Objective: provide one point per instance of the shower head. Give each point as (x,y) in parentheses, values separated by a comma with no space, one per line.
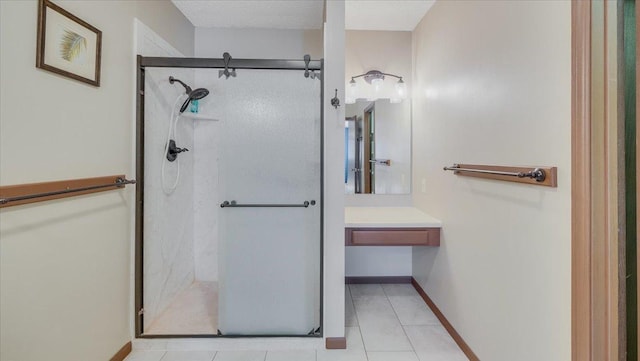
(199,93)
(196,94)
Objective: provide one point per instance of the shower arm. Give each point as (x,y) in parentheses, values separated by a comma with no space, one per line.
(187,88)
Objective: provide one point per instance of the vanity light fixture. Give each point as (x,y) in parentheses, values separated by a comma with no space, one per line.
(376,79)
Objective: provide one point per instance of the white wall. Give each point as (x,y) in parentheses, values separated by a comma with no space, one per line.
(258,43)
(377,261)
(492,86)
(334,249)
(65,264)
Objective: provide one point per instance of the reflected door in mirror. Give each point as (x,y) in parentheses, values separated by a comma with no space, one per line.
(378,145)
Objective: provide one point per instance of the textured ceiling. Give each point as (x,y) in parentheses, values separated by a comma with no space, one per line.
(270,14)
(398,15)
(401,15)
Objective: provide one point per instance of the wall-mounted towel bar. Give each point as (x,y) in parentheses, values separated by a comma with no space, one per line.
(538,174)
(233,204)
(545,176)
(38,192)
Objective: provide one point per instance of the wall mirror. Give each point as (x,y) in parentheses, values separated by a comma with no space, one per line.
(378,147)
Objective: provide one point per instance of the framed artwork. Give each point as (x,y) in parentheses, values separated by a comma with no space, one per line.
(67,45)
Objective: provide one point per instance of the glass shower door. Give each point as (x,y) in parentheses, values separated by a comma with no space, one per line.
(270,226)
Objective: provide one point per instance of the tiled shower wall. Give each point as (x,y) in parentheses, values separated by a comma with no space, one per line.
(168,218)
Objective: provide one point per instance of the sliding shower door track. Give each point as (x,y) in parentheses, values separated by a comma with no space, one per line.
(205,63)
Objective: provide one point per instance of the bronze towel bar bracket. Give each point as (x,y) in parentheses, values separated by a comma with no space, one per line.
(37,192)
(545,176)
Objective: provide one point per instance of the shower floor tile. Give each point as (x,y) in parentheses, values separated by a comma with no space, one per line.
(193,312)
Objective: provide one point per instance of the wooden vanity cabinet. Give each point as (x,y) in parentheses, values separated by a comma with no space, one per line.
(421,236)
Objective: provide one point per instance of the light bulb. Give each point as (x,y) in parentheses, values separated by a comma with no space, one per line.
(377,83)
(351,90)
(401,88)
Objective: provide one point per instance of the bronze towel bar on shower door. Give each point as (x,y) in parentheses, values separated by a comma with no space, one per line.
(38,192)
(545,176)
(233,204)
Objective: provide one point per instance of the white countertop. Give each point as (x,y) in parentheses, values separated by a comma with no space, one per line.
(388,217)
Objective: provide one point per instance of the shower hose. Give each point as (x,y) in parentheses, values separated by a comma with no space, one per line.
(173,121)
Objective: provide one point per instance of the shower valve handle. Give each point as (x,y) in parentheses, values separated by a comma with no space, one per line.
(173,150)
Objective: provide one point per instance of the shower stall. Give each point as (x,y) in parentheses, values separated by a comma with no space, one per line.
(229,202)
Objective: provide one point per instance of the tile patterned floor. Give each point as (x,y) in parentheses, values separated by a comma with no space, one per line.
(383,323)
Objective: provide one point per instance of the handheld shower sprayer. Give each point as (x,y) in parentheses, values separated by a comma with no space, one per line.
(171,150)
(195,94)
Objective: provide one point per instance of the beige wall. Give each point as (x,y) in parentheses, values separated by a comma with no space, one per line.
(492,86)
(65,265)
(168,22)
(258,43)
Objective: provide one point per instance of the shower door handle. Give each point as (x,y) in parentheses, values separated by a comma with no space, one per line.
(233,204)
